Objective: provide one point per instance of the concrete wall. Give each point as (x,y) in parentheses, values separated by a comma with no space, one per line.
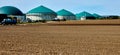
(47,17)
(67,17)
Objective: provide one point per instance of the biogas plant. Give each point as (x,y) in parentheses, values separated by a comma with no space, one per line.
(42,13)
(13,12)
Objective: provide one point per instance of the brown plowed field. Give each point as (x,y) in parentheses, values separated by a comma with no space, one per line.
(89,22)
(43,39)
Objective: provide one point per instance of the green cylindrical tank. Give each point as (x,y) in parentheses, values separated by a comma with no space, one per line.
(41,13)
(64,14)
(11,11)
(84,14)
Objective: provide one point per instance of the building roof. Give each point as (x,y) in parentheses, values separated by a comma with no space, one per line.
(42,9)
(84,13)
(64,12)
(96,15)
(10,10)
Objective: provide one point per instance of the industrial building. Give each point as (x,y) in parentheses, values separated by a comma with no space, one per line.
(12,12)
(40,13)
(97,16)
(64,14)
(84,16)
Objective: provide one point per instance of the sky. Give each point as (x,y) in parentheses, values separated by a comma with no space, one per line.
(102,7)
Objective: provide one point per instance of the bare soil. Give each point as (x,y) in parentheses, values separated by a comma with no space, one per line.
(60,40)
(89,22)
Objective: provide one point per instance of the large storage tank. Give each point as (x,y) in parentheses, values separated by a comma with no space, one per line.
(11,11)
(97,16)
(64,14)
(84,16)
(41,13)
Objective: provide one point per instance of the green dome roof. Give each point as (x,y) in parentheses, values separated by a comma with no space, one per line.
(64,12)
(9,10)
(42,9)
(96,15)
(86,14)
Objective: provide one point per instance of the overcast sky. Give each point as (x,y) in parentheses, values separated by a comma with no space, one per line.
(102,7)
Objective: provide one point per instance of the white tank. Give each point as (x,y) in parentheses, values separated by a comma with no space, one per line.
(83,18)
